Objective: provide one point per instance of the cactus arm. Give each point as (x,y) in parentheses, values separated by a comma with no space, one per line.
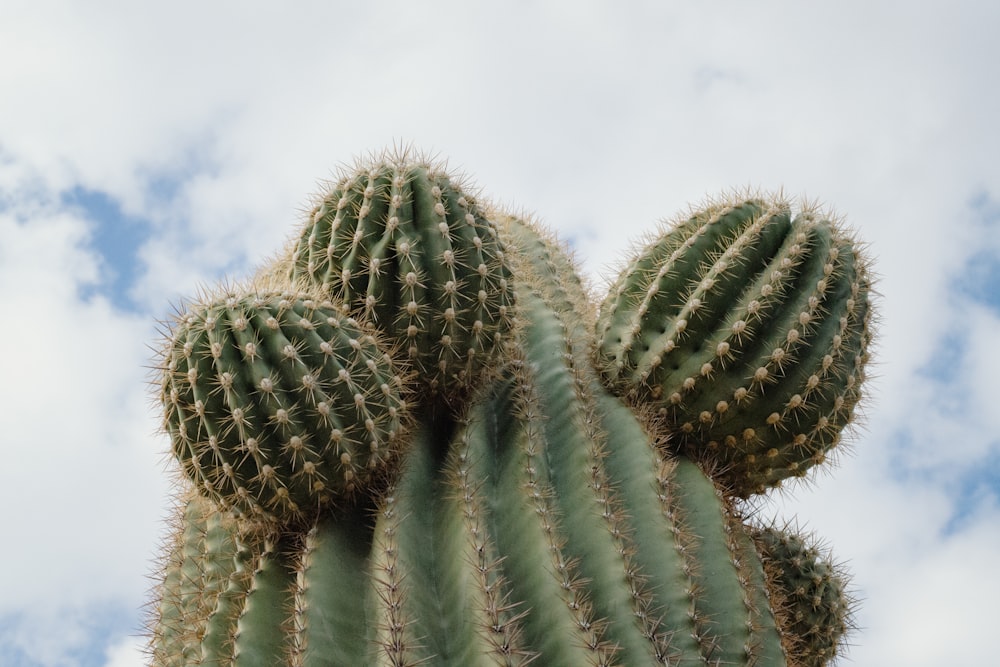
(767,637)
(556,365)
(180,594)
(279,405)
(755,369)
(219,644)
(262,638)
(401,244)
(639,476)
(722,610)
(220,558)
(810,594)
(196,578)
(501,615)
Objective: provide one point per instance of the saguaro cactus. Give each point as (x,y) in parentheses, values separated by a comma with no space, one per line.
(526,491)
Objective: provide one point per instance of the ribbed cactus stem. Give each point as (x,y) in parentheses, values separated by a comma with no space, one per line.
(333,615)
(442,573)
(202,559)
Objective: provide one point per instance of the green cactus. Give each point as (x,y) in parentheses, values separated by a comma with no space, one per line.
(809,592)
(277,404)
(404,244)
(538,518)
(747,331)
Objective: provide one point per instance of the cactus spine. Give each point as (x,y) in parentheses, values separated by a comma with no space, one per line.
(537,517)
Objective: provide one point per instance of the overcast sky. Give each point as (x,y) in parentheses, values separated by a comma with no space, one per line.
(149,148)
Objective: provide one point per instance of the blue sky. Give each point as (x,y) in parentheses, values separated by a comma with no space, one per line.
(149,150)
(116,239)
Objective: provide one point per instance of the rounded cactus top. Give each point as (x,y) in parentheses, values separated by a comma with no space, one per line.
(745,331)
(277,404)
(399,241)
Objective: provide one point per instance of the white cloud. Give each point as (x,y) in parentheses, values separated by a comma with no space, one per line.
(947,588)
(213,124)
(77,426)
(81,471)
(128,653)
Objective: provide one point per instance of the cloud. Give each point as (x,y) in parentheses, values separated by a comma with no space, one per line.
(81,470)
(69,636)
(946,587)
(128,653)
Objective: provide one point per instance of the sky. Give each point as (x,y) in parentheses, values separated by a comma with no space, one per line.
(147,149)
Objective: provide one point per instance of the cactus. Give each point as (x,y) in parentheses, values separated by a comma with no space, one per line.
(748,332)
(404,244)
(809,592)
(277,404)
(533,515)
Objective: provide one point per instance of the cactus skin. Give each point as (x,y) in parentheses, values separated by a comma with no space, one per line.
(403,244)
(812,593)
(540,519)
(199,563)
(747,331)
(277,404)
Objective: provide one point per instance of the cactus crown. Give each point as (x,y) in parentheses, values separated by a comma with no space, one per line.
(277,403)
(405,444)
(407,246)
(747,331)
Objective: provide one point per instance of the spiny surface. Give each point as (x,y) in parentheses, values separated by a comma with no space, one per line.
(402,243)
(747,332)
(277,404)
(811,594)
